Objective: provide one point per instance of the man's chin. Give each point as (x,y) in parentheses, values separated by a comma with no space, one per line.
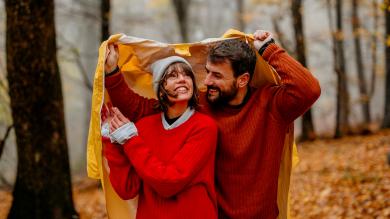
(212,98)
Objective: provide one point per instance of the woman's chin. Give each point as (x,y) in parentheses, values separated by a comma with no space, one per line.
(181,99)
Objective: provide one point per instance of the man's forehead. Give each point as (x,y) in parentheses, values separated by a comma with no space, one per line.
(214,66)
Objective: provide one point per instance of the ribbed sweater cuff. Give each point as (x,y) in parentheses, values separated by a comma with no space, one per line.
(271,48)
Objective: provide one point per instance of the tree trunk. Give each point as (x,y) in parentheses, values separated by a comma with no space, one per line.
(240,15)
(364,98)
(342,106)
(105,13)
(181,9)
(374,43)
(386,120)
(43,184)
(308,132)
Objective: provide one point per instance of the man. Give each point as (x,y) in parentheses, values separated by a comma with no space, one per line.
(252,122)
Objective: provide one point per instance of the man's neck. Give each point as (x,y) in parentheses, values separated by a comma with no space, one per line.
(176,110)
(239,99)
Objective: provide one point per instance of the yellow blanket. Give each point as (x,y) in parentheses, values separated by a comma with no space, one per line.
(135,57)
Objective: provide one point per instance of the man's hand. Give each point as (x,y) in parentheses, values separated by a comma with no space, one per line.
(261,38)
(112,58)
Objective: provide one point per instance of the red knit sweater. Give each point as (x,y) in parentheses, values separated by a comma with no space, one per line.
(250,138)
(171,170)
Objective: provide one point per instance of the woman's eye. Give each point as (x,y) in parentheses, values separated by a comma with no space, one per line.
(172,75)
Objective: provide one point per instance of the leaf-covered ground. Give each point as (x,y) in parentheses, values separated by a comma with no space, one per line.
(346,178)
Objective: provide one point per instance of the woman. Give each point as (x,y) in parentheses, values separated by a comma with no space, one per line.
(168,158)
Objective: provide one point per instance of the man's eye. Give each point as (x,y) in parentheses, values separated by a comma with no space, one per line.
(217,76)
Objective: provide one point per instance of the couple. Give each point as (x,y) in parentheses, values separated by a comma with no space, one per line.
(168,159)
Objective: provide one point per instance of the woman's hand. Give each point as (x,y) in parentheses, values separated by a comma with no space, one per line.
(112,58)
(117,119)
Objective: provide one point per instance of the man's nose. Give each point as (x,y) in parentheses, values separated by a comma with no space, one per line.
(207,81)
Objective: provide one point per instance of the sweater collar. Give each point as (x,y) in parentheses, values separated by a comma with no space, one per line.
(234,108)
(182,119)
(244,101)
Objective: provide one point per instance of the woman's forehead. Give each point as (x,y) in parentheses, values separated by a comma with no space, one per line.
(178,67)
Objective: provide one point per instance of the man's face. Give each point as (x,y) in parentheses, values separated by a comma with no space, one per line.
(221,83)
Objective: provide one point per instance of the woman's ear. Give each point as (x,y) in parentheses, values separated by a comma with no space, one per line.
(243,80)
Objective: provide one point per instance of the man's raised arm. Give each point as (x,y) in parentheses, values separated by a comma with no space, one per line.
(299,89)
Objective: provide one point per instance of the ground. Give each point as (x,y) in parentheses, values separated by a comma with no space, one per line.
(344,178)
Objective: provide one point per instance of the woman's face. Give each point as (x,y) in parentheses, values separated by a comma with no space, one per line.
(178,84)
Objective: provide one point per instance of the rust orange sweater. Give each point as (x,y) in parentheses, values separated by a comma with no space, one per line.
(251,136)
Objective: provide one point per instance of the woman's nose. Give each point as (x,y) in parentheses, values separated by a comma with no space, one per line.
(181,77)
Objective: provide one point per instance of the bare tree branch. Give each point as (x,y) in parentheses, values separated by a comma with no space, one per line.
(71,11)
(77,58)
(83,72)
(280,35)
(2,141)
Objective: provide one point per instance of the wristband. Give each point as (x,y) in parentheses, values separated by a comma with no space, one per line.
(262,49)
(113,72)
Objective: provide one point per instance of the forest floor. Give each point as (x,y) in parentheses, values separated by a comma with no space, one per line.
(344,178)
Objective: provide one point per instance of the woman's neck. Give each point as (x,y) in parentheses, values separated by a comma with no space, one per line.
(176,110)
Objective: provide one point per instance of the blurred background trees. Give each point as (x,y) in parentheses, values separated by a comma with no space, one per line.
(344,43)
(386,7)
(181,9)
(308,132)
(105,18)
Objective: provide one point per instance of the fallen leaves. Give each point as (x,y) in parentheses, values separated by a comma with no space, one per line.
(89,199)
(345,178)
(5,203)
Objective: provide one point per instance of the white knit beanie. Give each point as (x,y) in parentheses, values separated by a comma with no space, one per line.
(158,68)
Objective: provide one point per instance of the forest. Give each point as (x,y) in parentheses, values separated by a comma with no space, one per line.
(48,56)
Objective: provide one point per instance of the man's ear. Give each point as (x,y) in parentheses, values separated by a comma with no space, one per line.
(243,79)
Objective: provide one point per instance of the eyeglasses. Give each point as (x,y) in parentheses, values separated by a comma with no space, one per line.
(175,75)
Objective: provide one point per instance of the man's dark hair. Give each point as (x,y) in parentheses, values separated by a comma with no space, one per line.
(162,94)
(239,53)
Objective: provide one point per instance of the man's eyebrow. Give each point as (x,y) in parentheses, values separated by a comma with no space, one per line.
(214,72)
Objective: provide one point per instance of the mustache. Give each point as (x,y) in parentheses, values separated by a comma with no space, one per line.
(213,87)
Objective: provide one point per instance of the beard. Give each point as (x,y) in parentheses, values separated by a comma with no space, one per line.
(223,97)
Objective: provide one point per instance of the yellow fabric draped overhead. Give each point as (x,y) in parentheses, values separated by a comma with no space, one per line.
(135,57)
